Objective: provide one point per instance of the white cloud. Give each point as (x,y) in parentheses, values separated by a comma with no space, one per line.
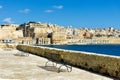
(1,6)
(25,11)
(8,20)
(48,11)
(54,7)
(58,7)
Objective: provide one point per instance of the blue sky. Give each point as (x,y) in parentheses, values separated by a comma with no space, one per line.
(78,13)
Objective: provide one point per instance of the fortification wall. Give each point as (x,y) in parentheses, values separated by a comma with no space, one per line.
(103,64)
(7,45)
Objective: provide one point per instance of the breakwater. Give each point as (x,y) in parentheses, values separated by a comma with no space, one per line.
(103,64)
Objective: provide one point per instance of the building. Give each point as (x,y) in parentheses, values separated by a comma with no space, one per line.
(8,33)
(43,41)
(59,38)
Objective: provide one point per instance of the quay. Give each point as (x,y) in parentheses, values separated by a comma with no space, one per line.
(32,67)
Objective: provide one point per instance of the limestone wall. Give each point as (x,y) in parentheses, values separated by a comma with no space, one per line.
(103,64)
(5,45)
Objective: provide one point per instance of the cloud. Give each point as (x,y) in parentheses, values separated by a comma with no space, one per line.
(48,11)
(25,11)
(8,20)
(58,7)
(54,7)
(1,6)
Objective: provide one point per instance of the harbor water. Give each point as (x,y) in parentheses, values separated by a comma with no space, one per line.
(99,49)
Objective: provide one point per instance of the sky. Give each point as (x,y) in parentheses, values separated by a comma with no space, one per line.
(75,13)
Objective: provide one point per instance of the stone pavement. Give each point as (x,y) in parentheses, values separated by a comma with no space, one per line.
(17,67)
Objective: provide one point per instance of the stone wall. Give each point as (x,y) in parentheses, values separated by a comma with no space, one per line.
(7,45)
(59,38)
(103,64)
(9,31)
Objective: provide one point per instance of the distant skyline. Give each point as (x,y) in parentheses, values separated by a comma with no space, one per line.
(77,13)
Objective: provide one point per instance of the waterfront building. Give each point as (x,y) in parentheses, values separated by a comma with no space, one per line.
(88,35)
(43,41)
(69,31)
(47,33)
(59,38)
(8,33)
(40,30)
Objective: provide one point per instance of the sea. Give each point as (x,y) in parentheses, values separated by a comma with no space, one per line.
(113,50)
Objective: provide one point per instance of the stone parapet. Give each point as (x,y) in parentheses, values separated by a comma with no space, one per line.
(103,64)
(8,45)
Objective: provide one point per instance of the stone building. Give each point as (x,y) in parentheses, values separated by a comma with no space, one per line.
(35,30)
(8,32)
(43,41)
(59,38)
(40,30)
(88,35)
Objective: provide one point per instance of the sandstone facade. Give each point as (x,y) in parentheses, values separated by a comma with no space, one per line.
(8,31)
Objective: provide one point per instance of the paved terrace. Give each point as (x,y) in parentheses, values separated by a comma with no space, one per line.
(16,67)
